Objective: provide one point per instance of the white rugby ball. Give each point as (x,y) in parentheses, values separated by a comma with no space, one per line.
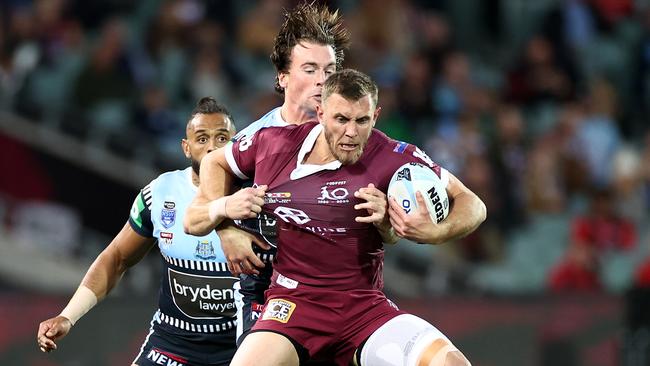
(413,177)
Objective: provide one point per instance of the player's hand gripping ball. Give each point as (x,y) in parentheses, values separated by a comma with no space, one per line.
(413,177)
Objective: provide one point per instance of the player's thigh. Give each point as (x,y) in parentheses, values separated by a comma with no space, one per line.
(265,348)
(388,345)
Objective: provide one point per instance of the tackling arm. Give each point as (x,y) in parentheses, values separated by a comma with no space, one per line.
(215,182)
(210,206)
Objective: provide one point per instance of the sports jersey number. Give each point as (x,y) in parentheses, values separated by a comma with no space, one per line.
(245,143)
(422,155)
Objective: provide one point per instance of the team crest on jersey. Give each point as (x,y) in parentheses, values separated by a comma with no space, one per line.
(279,310)
(166,239)
(168,214)
(332,192)
(205,250)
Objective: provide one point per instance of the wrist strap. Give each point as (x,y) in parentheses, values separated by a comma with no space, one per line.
(83,300)
(217,209)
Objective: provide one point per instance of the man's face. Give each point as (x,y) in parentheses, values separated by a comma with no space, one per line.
(206,132)
(310,65)
(347,125)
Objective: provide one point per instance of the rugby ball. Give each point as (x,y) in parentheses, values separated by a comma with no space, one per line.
(413,177)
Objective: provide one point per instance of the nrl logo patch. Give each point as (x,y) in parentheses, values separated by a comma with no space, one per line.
(279,310)
(168,216)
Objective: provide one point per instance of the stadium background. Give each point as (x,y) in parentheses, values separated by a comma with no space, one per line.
(541,107)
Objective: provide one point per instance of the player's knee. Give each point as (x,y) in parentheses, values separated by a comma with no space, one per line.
(442,353)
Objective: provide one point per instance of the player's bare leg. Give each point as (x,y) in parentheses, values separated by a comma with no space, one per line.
(265,348)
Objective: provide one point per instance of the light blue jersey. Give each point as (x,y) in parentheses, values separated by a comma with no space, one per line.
(196,295)
(272,119)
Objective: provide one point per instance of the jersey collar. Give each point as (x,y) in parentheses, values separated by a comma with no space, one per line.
(303,170)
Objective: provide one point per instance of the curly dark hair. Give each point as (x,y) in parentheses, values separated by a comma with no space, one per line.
(209,105)
(312,23)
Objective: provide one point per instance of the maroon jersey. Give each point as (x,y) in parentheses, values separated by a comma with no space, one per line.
(320,243)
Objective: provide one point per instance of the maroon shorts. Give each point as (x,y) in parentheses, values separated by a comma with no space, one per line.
(330,325)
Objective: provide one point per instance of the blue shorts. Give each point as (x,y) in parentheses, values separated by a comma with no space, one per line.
(252,291)
(163,347)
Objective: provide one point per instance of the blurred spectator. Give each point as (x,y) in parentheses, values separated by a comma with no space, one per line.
(602,228)
(484,244)
(627,185)
(381,35)
(413,91)
(107,76)
(33,182)
(158,121)
(598,134)
(391,121)
(259,25)
(508,155)
(539,75)
(578,271)
(642,274)
(544,180)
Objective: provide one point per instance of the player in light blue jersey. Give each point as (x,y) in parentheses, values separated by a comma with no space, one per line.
(195,322)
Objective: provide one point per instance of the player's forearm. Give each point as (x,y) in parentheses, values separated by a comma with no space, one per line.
(207,210)
(100,278)
(467,213)
(203,217)
(387,233)
(105,272)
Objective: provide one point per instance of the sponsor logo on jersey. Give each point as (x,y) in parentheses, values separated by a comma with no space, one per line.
(400,147)
(166,239)
(297,216)
(160,357)
(202,297)
(326,230)
(167,217)
(205,250)
(256,310)
(279,310)
(169,205)
(277,197)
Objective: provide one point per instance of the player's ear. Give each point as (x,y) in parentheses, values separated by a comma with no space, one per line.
(283,79)
(375,116)
(186,148)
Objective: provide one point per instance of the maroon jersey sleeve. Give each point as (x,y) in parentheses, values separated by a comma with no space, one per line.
(242,154)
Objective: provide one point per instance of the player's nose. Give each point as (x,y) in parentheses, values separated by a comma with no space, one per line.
(320,77)
(213,145)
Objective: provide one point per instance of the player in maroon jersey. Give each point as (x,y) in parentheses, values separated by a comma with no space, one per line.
(325,300)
